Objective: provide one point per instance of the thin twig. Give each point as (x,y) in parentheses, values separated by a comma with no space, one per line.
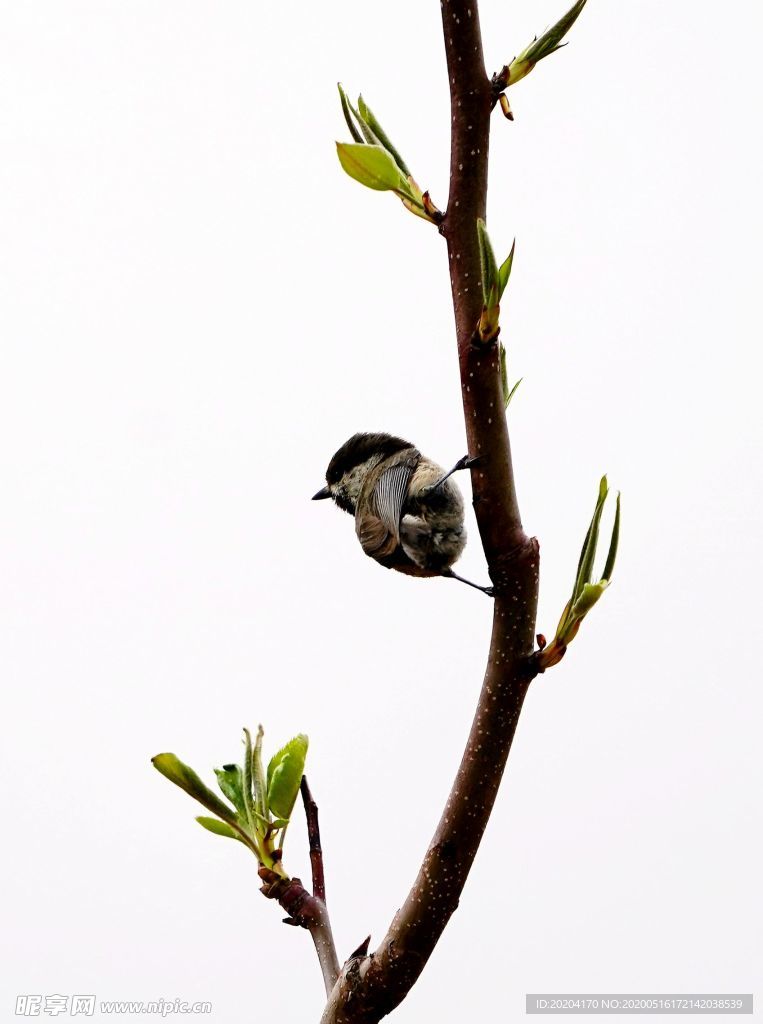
(323,940)
(305,911)
(314,839)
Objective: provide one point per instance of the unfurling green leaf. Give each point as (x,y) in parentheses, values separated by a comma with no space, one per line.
(258,778)
(488,265)
(219,828)
(588,552)
(587,598)
(367,115)
(285,775)
(248,785)
(346,108)
(373,160)
(172,768)
(508,392)
(230,781)
(504,374)
(512,392)
(252,823)
(552,37)
(504,271)
(541,47)
(488,325)
(585,592)
(372,166)
(609,567)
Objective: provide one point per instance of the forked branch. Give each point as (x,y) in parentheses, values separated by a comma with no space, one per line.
(259,803)
(308,910)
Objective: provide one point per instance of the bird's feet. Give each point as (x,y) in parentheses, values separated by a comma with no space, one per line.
(450,575)
(463,463)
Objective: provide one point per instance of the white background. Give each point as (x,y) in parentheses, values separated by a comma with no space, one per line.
(198,307)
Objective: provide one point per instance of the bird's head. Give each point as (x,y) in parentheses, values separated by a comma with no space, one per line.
(350,465)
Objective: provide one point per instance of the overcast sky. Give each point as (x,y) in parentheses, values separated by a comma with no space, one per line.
(198,307)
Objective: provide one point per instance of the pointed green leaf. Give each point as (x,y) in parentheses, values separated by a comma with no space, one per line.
(372,166)
(218,827)
(552,37)
(585,593)
(612,554)
(172,768)
(285,773)
(511,393)
(258,777)
(299,742)
(544,46)
(368,116)
(369,136)
(508,393)
(504,271)
(248,785)
(488,265)
(230,780)
(347,115)
(588,553)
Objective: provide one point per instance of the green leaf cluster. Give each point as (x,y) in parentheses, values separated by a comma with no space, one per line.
(585,592)
(541,47)
(259,803)
(373,160)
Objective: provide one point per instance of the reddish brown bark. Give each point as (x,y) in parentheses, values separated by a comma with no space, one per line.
(370,986)
(305,909)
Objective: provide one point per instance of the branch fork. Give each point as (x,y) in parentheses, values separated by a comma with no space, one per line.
(305,909)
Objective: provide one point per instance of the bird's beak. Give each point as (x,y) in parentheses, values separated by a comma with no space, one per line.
(324,492)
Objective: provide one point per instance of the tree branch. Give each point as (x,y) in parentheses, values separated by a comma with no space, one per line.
(370,987)
(306,910)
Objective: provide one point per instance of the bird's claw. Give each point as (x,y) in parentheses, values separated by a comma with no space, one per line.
(463,463)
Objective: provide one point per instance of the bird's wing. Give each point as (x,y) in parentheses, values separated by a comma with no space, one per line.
(378,526)
(389,496)
(374,537)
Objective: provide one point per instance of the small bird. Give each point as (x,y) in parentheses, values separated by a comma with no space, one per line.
(409,513)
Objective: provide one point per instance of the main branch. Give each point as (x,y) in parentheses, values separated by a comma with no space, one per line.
(369,987)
